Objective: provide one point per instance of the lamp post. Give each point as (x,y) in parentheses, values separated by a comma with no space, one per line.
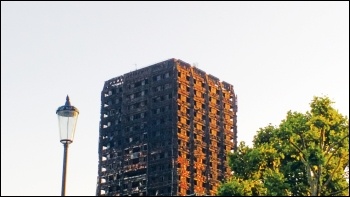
(67,121)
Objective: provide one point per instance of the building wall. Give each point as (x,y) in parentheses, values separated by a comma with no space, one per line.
(165,130)
(206,130)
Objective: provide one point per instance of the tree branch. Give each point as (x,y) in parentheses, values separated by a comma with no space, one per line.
(308,170)
(335,149)
(330,177)
(302,139)
(322,144)
(338,191)
(302,156)
(337,143)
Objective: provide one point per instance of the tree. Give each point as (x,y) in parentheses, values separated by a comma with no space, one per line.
(307,154)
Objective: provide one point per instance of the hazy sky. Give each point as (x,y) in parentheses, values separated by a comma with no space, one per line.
(278,55)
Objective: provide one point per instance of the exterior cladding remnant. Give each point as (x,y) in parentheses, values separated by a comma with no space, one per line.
(165,129)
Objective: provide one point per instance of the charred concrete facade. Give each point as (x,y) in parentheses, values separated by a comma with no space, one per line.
(165,129)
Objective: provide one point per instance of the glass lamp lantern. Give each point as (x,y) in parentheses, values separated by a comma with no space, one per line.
(67,121)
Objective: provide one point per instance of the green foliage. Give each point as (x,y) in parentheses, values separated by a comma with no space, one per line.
(305,155)
(240,187)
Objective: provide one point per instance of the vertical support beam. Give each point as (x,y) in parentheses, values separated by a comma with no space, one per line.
(191,127)
(207,134)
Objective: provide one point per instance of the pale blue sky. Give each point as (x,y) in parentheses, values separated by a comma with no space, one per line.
(278,55)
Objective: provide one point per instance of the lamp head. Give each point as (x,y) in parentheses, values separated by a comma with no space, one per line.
(67,120)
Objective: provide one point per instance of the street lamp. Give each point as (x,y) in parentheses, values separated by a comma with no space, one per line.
(67,121)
